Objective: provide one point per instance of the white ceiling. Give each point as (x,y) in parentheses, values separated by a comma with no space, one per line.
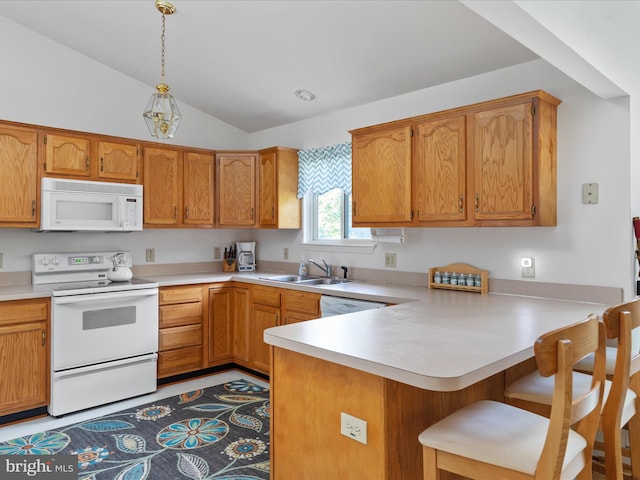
(242,60)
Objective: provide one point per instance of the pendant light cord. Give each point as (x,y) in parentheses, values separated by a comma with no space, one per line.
(162,41)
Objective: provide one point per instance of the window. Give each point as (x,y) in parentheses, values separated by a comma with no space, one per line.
(324,181)
(332,218)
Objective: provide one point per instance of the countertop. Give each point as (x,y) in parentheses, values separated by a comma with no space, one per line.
(446,341)
(432,339)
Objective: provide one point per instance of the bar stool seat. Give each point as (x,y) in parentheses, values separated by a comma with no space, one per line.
(501,435)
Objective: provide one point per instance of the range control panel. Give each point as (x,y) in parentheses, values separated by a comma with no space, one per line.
(75,262)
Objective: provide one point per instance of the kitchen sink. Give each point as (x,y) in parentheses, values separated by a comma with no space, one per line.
(307,280)
(291,278)
(324,281)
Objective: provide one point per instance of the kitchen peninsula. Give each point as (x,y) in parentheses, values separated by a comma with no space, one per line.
(400,369)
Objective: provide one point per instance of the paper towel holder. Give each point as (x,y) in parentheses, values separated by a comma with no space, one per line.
(388,235)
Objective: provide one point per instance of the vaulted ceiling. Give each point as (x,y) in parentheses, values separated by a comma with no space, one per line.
(242,60)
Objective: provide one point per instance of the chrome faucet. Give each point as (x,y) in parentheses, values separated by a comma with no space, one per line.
(326,269)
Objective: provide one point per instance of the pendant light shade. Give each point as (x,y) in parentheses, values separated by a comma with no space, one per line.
(162,114)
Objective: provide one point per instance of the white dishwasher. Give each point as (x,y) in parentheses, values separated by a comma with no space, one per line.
(330,306)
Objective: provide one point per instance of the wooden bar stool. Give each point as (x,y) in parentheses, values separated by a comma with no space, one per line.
(621,394)
(492,440)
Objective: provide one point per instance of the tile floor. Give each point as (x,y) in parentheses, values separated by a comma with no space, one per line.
(48,423)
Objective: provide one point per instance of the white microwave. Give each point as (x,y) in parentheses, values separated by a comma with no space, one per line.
(79,205)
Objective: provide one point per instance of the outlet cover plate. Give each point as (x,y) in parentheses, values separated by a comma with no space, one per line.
(150,255)
(391,260)
(353,427)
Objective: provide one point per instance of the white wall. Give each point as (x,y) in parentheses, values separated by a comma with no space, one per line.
(47,84)
(589,246)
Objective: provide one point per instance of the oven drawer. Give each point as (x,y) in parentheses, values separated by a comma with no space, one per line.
(86,387)
(181,360)
(177,337)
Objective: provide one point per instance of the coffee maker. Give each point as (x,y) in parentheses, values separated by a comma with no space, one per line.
(246,256)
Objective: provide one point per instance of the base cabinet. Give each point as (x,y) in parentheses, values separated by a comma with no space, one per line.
(181,326)
(24,355)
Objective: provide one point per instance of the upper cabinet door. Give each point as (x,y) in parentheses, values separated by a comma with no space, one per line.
(502,146)
(161,177)
(18,177)
(118,161)
(382,176)
(237,189)
(267,184)
(66,155)
(440,170)
(198,188)
(278,203)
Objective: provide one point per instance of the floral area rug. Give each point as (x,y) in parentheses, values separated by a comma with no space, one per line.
(220,433)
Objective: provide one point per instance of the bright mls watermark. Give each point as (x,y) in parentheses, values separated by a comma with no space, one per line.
(39,467)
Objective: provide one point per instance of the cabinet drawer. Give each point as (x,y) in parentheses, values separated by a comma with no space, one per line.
(177,337)
(180,360)
(180,314)
(180,295)
(18,311)
(266,296)
(302,302)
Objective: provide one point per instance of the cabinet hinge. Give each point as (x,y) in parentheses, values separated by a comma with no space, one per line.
(533,210)
(45,139)
(411,134)
(411,214)
(533,110)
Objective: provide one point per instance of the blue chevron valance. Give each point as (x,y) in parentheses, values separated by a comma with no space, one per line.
(323,169)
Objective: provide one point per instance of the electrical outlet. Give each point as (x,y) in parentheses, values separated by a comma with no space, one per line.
(216,253)
(528,267)
(150,255)
(285,253)
(391,260)
(353,427)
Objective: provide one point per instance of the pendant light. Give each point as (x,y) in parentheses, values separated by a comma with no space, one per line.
(162,114)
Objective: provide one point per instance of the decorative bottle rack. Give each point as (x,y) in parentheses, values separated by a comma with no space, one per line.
(461,268)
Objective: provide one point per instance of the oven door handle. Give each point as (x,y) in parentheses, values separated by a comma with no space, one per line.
(97,297)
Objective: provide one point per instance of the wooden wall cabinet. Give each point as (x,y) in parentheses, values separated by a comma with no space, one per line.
(90,158)
(382,176)
(237,189)
(118,161)
(198,189)
(180,341)
(24,355)
(488,164)
(161,180)
(20,192)
(278,203)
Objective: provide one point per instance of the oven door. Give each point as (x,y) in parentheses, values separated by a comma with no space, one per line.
(95,328)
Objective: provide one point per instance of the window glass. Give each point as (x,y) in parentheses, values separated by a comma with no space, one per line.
(332,215)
